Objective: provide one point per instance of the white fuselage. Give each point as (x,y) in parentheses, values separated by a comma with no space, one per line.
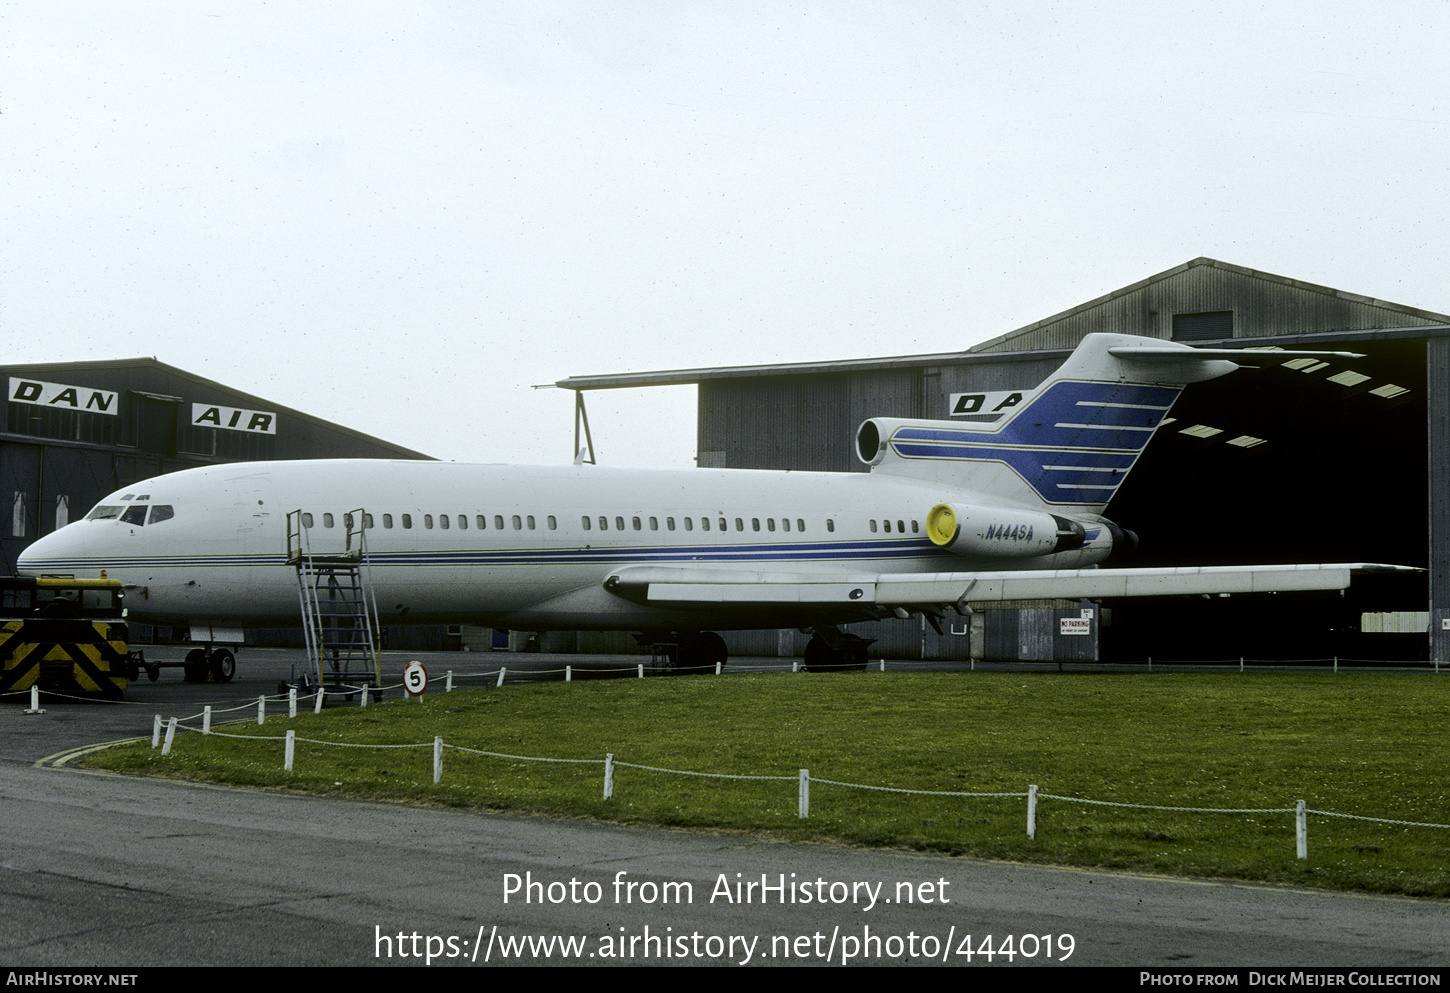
(522,547)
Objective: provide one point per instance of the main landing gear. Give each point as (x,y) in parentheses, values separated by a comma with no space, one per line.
(694,651)
(833,650)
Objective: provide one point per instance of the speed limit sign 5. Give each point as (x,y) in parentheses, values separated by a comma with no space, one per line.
(415,678)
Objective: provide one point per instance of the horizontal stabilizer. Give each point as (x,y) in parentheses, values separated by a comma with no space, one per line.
(1177,353)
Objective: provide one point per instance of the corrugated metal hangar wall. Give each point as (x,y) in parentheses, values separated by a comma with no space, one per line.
(75,432)
(1297,462)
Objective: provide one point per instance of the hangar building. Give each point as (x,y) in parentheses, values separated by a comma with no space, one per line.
(75,432)
(1298,461)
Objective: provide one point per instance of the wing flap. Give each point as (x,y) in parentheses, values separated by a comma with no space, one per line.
(960,588)
(661,585)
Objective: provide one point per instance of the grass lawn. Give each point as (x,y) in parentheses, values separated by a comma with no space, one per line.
(1369,744)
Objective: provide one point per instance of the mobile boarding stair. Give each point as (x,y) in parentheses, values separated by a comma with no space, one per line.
(339,612)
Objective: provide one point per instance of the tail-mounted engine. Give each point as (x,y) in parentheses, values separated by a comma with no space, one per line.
(996,532)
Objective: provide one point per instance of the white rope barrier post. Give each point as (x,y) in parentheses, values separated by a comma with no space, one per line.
(1032,812)
(437,761)
(719,667)
(317,705)
(170,736)
(640,667)
(156,731)
(292,701)
(1301,830)
(206,719)
(608,775)
(568,673)
(35,699)
(290,750)
(261,708)
(448,681)
(367,692)
(501,671)
(805,791)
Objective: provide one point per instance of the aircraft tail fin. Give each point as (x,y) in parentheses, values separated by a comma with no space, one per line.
(1068,444)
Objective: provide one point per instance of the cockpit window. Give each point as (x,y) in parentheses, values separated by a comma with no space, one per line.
(161,512)
(105,513)
(134,515)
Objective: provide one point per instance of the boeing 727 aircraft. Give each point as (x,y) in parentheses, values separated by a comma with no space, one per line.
(951,513)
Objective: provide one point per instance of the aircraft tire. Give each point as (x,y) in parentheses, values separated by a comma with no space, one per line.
(821,657)
(194,669)
(700,651)
(223,666)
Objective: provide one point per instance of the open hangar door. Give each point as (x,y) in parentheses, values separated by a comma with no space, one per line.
(1297,461)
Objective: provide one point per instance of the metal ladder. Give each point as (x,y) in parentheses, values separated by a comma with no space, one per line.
(339,612)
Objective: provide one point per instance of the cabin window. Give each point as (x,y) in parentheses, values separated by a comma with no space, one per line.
(428,521)
(407,520)
(347,520)
(901,527)
(161,512)
(327,520)
(886,525)
(637,524)
(518,523)
(553,524)
(619,524)
(531,522)
(654,523)
(463,522)
(603,523)
(800,525)
(135,515)
(481,522)
(669,523)
(770,524)
(830,525)
(724,524)
(443,521)
(785,523)
(873,527)
(367,520)
(704,524)
(689,524)
(387,520)
(498,522)
(585,519)
(914,528)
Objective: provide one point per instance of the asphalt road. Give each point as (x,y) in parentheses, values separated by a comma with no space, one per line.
(109,871)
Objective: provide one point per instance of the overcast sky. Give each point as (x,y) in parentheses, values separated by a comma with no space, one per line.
(401,216)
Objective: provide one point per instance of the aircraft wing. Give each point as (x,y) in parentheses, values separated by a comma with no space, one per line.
(667,586)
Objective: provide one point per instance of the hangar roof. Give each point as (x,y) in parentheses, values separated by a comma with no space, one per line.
(1277,310)
(162,371)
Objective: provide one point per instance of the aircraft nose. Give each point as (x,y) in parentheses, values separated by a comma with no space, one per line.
(62,552)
